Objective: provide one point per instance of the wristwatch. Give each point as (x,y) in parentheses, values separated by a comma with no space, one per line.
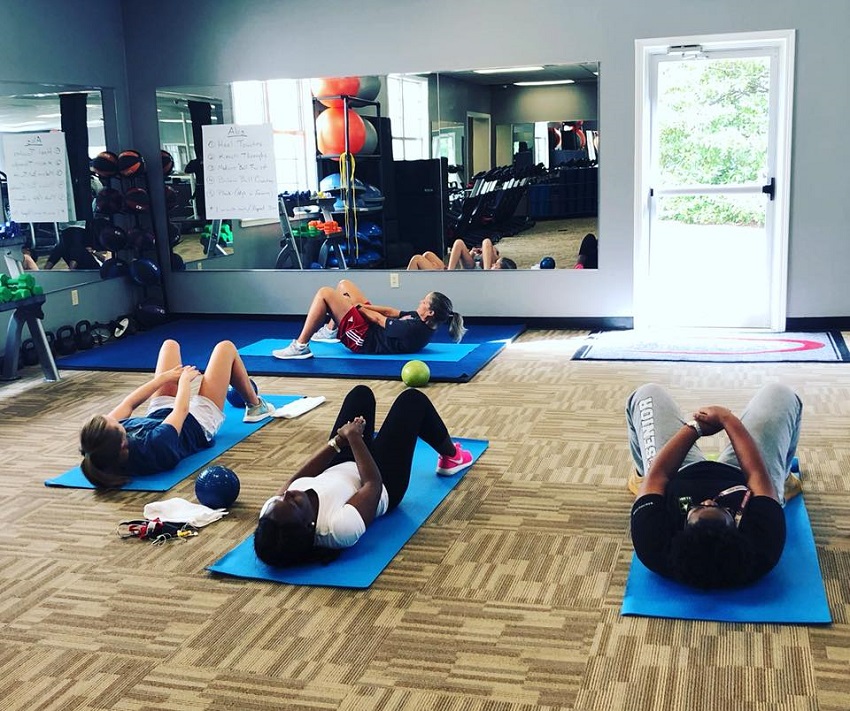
(333,444)
(696,427)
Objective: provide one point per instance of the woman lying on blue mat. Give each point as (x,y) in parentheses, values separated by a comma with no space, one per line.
(116,446)
(712,524)
(366,328)
(354,478)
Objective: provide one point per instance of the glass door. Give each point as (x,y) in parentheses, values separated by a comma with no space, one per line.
(712,243)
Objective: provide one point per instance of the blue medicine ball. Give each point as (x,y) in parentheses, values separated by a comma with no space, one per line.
(547,263)
(217,487)
(235,399)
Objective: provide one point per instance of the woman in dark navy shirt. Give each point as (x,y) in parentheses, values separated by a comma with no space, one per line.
(118,446)
(363,327)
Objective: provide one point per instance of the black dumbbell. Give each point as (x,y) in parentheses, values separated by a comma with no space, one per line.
(83,335)
(66,343)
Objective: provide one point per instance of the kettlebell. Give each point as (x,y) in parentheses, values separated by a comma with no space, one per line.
(66,344)
(83,335)
(29,355)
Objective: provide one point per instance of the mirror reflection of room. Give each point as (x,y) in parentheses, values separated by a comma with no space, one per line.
(428,160)
(29,110)
(535,205)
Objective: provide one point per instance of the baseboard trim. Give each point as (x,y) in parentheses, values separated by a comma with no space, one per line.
(818,323)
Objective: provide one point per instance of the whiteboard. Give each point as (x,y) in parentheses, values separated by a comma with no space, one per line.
(239,172)
(39,177)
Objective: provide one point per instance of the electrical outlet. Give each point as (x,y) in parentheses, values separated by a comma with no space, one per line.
(200,266)
(75,297)
(394,280)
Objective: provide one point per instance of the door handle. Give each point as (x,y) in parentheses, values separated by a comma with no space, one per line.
(770,189)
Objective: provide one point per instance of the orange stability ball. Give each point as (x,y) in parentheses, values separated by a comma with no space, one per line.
(330,132)
(334,86)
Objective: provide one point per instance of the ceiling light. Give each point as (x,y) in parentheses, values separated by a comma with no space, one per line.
(505,70)
(49,115)
(549,82)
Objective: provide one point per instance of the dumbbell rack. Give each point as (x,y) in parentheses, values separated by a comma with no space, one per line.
(26,311)
(129,218)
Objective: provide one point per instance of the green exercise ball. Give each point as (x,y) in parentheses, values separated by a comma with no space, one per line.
(415,373)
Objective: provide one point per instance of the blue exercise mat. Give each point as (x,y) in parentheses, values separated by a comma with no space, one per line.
(197,338)
(232,432)
(792,593)
(360,565)
(433,352)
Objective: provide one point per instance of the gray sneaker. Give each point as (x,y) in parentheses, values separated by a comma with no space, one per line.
(325,334)
(260,411)
(293,350)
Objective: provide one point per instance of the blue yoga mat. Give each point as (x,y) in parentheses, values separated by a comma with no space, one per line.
(198,336)
(792,593)
(360,565)
(433,352)
(232,431)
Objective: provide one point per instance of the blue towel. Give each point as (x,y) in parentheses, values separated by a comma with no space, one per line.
(232,431)
(360,565)
(793,592)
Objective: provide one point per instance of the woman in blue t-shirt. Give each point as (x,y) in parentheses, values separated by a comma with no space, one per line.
(363,327)
(117,446)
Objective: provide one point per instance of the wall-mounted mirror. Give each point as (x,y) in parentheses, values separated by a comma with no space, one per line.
(455,155)
(78,112)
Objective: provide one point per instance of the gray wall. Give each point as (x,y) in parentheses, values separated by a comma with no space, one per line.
(79,42)
(192,42)
(220,42)
(454,98)
(545,103)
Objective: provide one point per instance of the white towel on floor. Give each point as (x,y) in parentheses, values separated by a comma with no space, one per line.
(298,407)
(182,511)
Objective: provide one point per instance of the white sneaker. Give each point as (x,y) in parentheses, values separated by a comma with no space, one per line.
(294,350)
(325,335)
(258,412)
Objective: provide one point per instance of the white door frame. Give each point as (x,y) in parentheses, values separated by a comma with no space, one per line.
(784,42)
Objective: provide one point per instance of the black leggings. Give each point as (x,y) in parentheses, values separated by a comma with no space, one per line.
(412,415)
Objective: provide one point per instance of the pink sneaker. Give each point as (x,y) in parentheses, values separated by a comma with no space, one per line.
(449,466)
